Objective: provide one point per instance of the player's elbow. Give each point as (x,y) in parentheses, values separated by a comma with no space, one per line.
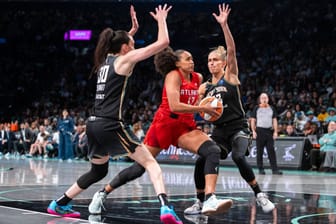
(164,43)
(174,108)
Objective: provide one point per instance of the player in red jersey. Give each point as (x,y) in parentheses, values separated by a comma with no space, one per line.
(174,124)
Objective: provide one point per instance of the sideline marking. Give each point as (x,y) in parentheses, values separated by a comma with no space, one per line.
(295,220)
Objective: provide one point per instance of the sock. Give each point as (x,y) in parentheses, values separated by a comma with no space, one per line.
(256,189)
(163,199)
(63,200)
(207,196)
(200,196)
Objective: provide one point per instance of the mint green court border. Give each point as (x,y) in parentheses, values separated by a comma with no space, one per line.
(233,168)
(297,219)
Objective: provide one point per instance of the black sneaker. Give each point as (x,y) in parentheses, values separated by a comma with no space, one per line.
(262,172)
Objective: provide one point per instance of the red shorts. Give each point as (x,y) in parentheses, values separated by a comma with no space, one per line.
(165,130)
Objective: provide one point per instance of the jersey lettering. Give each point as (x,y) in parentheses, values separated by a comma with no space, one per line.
(102,76)
(191,100)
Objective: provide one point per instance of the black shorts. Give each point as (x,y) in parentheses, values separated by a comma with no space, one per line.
(223,134)
(109,137)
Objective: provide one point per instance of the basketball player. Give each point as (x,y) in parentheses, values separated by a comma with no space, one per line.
(115,58)
(174,124)
(231,131)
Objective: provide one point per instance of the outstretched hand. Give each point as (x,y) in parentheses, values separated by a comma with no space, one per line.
(224,12)
(161,12)
(135,24)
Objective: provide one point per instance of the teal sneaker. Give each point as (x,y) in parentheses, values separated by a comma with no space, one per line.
(64,211)
(168,216)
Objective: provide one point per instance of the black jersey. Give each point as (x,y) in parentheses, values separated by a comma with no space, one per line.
(110,91)
(230,96)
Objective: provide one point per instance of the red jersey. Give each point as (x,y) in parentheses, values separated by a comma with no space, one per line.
(168,126)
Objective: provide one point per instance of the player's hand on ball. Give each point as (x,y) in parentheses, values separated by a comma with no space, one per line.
(212,108)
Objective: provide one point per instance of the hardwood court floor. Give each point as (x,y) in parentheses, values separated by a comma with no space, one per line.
(28,185)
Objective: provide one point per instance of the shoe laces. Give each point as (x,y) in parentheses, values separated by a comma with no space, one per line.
(102,197)
(66,207)
(196,205)
(262,199)
(212,200)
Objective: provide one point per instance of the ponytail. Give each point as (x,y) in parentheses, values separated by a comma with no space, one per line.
(220,50)
(109,41)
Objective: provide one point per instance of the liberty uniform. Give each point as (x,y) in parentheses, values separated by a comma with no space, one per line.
(231,131)
(106,132)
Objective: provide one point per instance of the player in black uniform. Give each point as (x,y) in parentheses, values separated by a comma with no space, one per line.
(231,131)
(115,58)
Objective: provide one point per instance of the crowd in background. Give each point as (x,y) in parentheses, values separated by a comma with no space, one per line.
(284,48)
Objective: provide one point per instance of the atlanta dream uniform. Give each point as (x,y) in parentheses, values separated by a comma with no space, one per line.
(167,126)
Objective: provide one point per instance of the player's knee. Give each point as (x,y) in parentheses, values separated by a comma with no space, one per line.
(209,148)
(240,145)
(211,152)
(96,173)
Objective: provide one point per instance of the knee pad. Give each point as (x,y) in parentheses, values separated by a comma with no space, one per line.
(126,175)
(243,141)
(199,173)
(96,173)
(211,152)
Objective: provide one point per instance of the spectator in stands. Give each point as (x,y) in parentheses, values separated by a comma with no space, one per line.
(298,110)
(138,131)
(39,145)
(281,129)
(321,117)
(34,127)
(287,118)
(14,126)
(7,137)
(20,142)
(309,128)
(299,122)
(290,131)
(81,146)
(311,117)
(3,139)
(328,146)
(53,143)
(66,127)
(331,114)
(47,125)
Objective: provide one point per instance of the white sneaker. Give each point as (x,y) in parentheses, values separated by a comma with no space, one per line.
(214,206)
(93,219)
(262,200)
(195,209)
(97,202)
(197,219)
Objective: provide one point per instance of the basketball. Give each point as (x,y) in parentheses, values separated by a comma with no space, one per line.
(213,102)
